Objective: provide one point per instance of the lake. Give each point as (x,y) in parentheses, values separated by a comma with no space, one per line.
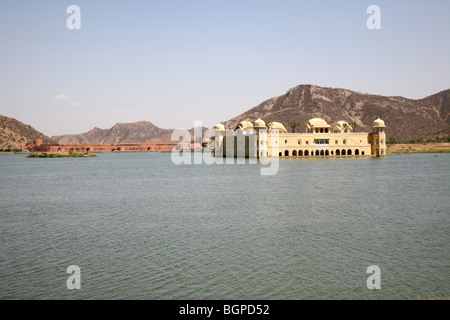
(140,227)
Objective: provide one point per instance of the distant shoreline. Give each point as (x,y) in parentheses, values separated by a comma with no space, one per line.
(443,147)
(397,148)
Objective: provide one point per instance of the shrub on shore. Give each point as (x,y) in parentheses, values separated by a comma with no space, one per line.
(60,155)
(10,150)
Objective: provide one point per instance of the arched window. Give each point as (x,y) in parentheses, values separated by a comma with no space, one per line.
(286,153)
(357,152)
(349,152)
(300,153)
(362,153)
(294,153)
(343,152)
(338,152)
(247,147)
(306,153)
(280,154)
(332,152)
(322,152)
(327,153)
(317,152)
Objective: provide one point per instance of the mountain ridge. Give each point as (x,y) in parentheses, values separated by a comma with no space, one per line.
(121,132)
(134,132)
(13,132)
(405,118)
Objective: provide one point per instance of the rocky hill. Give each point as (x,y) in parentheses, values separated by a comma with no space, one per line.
(14,132)
(406,119)
(136,132)
(167,138)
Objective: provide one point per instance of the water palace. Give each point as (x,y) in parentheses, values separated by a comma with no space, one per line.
(319,140)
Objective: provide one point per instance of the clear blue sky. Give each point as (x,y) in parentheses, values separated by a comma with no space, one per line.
(173,62)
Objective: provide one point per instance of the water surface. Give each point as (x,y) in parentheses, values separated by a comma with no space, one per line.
(140,227)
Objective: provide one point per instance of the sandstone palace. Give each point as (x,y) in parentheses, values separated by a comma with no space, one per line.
(320,139)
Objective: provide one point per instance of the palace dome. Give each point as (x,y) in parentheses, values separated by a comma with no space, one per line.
(260,123)
(379,123)
(244,125)
(342,125)
(318,123)
(277,126)
(219,127)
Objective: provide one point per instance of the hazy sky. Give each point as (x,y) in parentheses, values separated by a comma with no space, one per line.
(174,62)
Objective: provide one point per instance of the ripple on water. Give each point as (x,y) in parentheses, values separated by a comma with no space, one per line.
(140,227)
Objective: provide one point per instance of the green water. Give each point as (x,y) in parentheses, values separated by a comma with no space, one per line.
(141,227)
